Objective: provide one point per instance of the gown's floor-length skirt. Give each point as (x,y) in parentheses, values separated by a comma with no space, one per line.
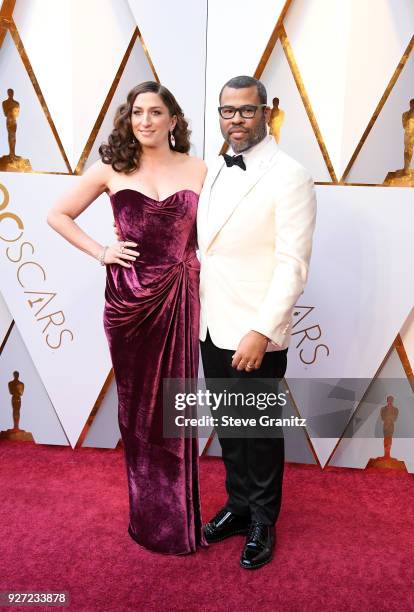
(151,320)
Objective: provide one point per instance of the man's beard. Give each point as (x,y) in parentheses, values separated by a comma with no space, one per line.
(255,136)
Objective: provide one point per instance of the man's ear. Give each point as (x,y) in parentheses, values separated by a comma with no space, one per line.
(267,113)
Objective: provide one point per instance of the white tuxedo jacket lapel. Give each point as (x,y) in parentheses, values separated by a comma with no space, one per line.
(210,228)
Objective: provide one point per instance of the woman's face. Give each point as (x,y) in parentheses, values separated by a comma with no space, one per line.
(151,120)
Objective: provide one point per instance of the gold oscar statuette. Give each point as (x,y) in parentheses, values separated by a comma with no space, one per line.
(16,390)
(389,414)
(405,176)
(277,116)
(12,162)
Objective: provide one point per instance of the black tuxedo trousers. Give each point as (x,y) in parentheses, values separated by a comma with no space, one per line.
(254,465)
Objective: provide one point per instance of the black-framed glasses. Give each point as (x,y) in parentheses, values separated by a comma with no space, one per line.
(247,111)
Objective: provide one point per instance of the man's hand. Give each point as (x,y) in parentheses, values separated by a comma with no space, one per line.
(249,354)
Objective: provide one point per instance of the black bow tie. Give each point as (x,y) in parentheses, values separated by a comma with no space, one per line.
(234,160)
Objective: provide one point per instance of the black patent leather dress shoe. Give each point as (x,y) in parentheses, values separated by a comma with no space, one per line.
(258,549)
(224,525)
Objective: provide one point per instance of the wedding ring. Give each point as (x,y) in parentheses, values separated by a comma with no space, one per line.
(249,367)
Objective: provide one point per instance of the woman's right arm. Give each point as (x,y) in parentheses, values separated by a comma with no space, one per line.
(69,206)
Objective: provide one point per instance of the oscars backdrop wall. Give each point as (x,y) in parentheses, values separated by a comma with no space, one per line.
(339,79)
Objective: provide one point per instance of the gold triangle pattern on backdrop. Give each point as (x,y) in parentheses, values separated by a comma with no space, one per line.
(380,106)
(88,146)
(6,337)
(280,33)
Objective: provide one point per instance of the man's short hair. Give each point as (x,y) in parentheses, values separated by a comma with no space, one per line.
(240,82)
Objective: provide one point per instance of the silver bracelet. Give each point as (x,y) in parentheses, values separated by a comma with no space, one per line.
(102,256)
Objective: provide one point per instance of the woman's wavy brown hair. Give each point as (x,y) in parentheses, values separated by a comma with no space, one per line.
(123,151)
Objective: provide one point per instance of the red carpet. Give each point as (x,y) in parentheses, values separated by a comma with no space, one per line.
(345,540)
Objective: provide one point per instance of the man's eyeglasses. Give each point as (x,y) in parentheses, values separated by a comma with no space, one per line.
(247,112)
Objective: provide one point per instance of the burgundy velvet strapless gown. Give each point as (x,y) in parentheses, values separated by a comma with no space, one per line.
(151,320)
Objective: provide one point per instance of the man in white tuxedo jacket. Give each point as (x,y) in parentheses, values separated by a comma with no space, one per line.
(255,223)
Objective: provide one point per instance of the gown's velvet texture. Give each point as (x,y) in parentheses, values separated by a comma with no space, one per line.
(151,321)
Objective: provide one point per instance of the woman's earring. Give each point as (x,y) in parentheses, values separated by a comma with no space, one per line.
(172,140)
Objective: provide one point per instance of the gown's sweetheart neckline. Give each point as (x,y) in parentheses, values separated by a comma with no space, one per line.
(149,197)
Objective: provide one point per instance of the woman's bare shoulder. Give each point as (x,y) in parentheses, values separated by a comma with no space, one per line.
(99,169)
(100,173)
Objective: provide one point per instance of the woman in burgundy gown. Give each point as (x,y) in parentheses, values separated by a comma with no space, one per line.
(151,314)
